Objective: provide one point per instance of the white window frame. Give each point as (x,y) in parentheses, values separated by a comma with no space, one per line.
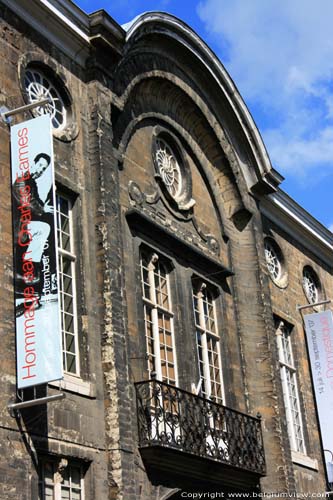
(273,260)
(69,256)
(169,168)
(39,86)
(288,373)
(310,285)
(200,293)
(56,484)
(152,304)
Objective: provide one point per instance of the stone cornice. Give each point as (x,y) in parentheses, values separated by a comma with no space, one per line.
(294,220)
(69,28)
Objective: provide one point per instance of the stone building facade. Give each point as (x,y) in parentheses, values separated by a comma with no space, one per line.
(185,264)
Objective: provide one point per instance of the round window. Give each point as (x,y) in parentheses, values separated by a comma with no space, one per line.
(39,86)
(172,171)
(168,168)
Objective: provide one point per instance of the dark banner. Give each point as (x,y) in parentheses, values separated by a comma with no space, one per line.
(37,310)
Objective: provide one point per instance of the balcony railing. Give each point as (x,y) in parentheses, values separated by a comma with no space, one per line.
(171,418)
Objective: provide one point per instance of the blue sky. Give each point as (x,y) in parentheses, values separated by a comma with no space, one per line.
(279,53)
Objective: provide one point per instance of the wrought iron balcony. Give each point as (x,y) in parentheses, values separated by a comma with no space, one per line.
(189,427)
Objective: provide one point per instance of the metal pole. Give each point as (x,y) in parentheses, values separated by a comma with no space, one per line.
(299,308)
(26,107)
(35,402)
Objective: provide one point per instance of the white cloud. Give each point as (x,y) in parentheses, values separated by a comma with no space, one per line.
(302,156)
(280,55)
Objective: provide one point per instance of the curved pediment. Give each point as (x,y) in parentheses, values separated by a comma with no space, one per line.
(170,37)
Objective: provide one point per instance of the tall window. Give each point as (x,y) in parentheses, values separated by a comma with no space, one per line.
(311,285)
(61,481)
(158,316)
(208,343)
(67,260)
(289,386)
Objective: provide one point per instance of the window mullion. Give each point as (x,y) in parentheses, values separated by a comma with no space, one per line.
(218,349)
(152,305)
(57,488)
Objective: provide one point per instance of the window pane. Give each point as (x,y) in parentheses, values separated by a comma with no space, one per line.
(65,493)
(48,473)
(65,476)
(76,476)
(70,343)
(76,495)
(68,303)
(70,363)
(69,323)
(67,267)
(48,491)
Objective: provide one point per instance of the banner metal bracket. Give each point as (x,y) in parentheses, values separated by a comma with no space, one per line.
(5,114)
(34,402)
(315,304)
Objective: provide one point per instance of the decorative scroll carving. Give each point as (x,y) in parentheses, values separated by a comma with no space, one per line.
(145,202)
(135,193)
(211,241)
(138,197)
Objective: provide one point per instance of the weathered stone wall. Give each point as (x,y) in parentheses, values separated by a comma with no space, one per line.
(106,165)
(246,320)
(284,302)
(67,428)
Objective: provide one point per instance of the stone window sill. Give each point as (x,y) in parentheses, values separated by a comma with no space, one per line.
(76,385)
(304,460)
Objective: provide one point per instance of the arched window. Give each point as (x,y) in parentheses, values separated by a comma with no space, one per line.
(311,285)
(275,263)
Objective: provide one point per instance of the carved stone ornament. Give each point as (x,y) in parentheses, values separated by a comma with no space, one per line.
(138,197)
(144,202)
(209,239)
(172,172)
(135,193)
(213,244)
